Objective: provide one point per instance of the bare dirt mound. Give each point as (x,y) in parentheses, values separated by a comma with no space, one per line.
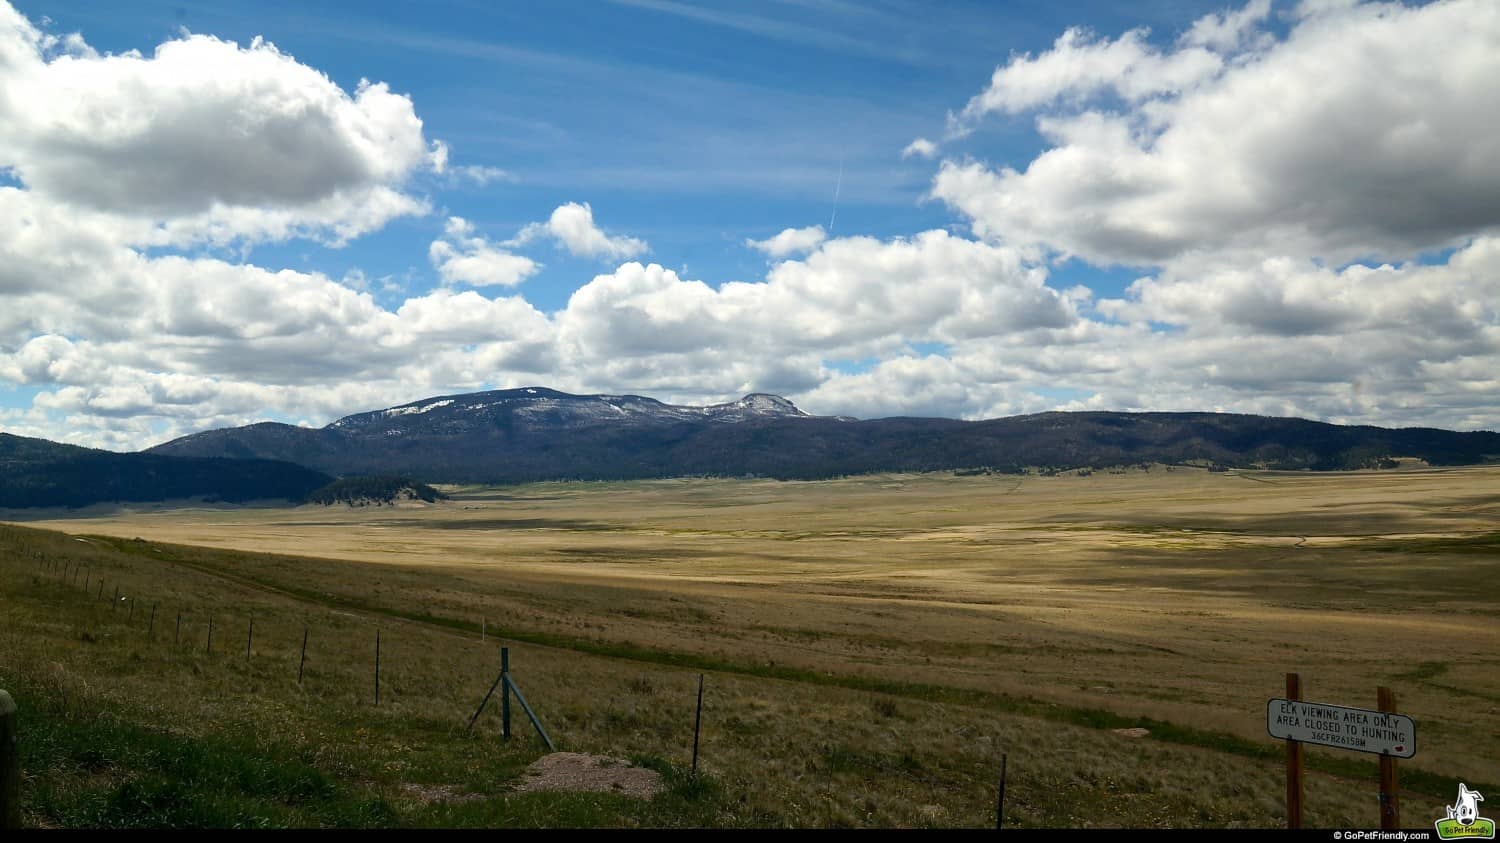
(576,771)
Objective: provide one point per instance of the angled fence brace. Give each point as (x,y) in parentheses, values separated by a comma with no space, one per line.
(485,701)
(510,683)
(507,686)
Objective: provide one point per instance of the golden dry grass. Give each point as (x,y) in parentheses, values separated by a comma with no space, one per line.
(1179,595)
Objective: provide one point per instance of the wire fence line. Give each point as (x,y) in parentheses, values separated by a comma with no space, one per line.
(219,631)
(208,624)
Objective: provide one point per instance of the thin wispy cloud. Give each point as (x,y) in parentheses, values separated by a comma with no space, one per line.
(822,37)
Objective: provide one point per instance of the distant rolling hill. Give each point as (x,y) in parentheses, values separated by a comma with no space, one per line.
(35,473)
(531,434)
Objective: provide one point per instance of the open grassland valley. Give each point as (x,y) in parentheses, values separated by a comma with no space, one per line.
(873,652)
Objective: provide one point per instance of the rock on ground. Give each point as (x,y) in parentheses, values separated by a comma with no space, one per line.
(576,771)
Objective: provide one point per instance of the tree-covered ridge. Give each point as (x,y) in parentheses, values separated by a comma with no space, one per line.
(38,473)
(378,489)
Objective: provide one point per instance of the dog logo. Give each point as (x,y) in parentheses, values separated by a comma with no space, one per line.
(1466,809)
(1463,821)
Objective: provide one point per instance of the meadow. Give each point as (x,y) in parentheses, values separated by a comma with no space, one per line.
(872,647)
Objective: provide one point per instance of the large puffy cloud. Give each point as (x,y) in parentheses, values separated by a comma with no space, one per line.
(1280,200)
(912,385)
(204,139)
(1456,300)
(133,348)
(1368,131)
(1254,177)
(851,297)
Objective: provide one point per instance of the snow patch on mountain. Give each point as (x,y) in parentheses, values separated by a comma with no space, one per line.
(547,407)
(417,408)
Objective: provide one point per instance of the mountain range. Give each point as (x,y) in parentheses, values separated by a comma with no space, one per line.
(521,435)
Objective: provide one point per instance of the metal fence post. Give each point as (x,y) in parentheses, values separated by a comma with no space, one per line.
(505,691)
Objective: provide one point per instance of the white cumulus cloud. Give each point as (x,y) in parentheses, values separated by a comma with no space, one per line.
(204,139)
(1079,65)
(920,148)
(1367,131)
(463,257)
(572,227)
(791,241)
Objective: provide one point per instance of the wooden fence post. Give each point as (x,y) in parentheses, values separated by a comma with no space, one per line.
(10,765)
(697,725)
(303,663)
(1390,796)
(1293,762)
(1000,799)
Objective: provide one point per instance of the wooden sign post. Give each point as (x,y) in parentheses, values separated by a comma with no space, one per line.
(1380,731)
(1293,762)
(1390,797)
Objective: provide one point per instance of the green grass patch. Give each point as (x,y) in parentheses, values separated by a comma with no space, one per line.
(104,771)
(1425,670)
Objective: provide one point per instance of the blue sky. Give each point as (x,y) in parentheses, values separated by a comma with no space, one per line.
(691,126)
(1266,206)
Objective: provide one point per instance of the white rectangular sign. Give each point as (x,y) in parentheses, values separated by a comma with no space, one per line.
(1359,729)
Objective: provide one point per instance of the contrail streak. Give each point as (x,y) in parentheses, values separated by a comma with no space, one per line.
(838,186)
